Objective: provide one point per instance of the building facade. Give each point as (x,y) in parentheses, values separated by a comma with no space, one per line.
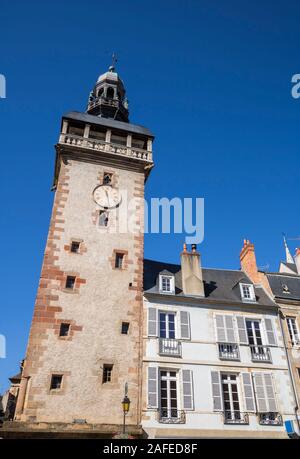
(208,353)
(284,287)
(214,358)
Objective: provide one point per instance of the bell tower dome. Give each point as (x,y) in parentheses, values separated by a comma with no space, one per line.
(108,99)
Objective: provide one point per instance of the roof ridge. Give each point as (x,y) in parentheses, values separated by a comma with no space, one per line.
(203,267)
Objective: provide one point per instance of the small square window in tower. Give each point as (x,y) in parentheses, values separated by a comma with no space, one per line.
(125,328)
(75,246)
(103,218)
(70,282)
(119,260)
(64,329)
(107,178)
(107,373)
(56,382)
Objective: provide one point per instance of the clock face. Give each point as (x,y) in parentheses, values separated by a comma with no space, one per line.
(107,197)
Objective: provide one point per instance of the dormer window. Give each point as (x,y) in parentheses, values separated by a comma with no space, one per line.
(166,284)
(247,292)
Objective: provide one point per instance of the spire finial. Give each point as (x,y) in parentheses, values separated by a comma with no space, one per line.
(288,256)
(114,60)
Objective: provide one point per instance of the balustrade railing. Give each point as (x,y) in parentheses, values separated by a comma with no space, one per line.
(101,145)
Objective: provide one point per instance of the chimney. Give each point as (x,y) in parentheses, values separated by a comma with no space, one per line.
(191,272)
(248,261)
(249,266)
(297,260)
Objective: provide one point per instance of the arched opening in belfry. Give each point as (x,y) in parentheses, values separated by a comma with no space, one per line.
(100,92)
(110,92)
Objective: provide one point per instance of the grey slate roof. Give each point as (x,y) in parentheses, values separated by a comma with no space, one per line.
(219,284)
(278,280)
(107,122)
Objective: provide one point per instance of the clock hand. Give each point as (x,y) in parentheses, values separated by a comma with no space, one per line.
(107,197)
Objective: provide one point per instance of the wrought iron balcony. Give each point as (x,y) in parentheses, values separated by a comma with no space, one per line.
(235,417)
(270,419)
(260,353)
(171,416)
(101,145)
(170,347)
(228,351)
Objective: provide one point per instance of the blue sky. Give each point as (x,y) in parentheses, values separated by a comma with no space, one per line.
(211,79)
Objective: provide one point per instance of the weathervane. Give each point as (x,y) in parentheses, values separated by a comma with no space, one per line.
(113,62)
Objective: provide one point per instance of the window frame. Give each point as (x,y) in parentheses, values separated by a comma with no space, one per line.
(120,256)
(101,213)
(56,375)
(64,324)
(252,298)
(239,385)
(167,322)
(172,283)
(168,378)
(73,285)
(78,243)
(126,324)
(294,336)
(107,370)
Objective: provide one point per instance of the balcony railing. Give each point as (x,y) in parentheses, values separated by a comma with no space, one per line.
(235,417)
(270,419)
(228,351)
(260,353)
(101,145)
(171,416)
(170,347)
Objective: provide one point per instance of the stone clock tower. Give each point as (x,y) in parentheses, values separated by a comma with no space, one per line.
(86,335)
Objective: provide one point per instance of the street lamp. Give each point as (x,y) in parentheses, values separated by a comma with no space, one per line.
(126,406)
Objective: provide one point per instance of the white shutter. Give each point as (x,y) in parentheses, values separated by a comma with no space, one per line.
(270,394)
(188,396)
(216,391)
(248,392)
(185,325)
(225,329)
(260,393)
(152,387)
(152,322)
(265,394)
(270,332)
(220,329)
(243,337)
(230,329)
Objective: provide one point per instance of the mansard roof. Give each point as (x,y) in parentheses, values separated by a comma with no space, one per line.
(219,284)
(279,280)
